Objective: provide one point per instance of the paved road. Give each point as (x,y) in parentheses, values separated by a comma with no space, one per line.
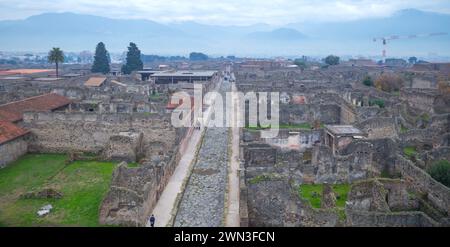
(203,201)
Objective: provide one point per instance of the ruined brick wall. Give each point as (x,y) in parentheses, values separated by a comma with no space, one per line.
(126,146)
(298,139)
(274,202)
(134,192)
(436,192)
(384,154)
(422,99)
(12,150)
(90,132)
(379,127)
(295,114)
(346,168)
(348,114)
(391,219)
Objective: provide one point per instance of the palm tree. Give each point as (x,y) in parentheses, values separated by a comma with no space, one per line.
(56,56)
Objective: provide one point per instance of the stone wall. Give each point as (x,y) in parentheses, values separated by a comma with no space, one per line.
(392,219)
(437,193)
(295,114)
(12,150)
(274,202)
(134,192)
(89,132)
(298,139)
(347,168)
(379,127)
(384,154)
(422,99)
(126,146)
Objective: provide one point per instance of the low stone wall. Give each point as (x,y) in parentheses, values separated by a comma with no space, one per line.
(342,168)
(90,132)
(12,150)
(396,219)
(300,113)
(422,99)
(379,127)
(384,153)
(134,192)
(437,193)
(272,201)
(126,146)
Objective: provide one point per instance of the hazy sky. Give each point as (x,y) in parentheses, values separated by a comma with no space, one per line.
(222,12)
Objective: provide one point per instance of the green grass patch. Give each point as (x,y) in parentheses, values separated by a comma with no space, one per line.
(341,214)
(313,194)
(403,129)
(410,151)
(83,184)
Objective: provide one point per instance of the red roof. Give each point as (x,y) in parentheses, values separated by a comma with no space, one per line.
(10,131)
(13,111)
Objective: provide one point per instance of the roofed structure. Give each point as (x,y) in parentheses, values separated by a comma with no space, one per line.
(337,137)
(166,77)
(95,81)
(344,130)
(10,131)
(13,111)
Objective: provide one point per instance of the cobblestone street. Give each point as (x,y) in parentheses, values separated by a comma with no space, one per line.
(203,202)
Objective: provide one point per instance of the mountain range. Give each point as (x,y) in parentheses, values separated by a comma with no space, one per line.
(77,32)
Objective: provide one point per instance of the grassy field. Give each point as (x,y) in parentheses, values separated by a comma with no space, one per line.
(313,193)
(83,184)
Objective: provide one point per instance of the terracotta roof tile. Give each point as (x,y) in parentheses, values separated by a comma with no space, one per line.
(13,111)
(10,131)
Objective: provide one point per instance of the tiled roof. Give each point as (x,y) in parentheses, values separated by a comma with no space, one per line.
(10,131)
(13,111)
(95,81)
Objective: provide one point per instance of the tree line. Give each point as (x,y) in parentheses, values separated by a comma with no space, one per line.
(102,59)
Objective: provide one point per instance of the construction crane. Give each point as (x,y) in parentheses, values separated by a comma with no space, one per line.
(394,37)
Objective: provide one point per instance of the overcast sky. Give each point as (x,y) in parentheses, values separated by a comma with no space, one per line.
(221,12)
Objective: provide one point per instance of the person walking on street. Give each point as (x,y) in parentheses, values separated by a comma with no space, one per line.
(152,220)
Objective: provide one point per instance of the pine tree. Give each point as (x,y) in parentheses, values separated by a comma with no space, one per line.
(134,61)
(101,59)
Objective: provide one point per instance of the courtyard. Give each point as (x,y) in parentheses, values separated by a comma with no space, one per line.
(83,184)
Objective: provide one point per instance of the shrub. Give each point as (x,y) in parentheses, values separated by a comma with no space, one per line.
(389,82)
(440,171)
(368,81)
(378,102)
